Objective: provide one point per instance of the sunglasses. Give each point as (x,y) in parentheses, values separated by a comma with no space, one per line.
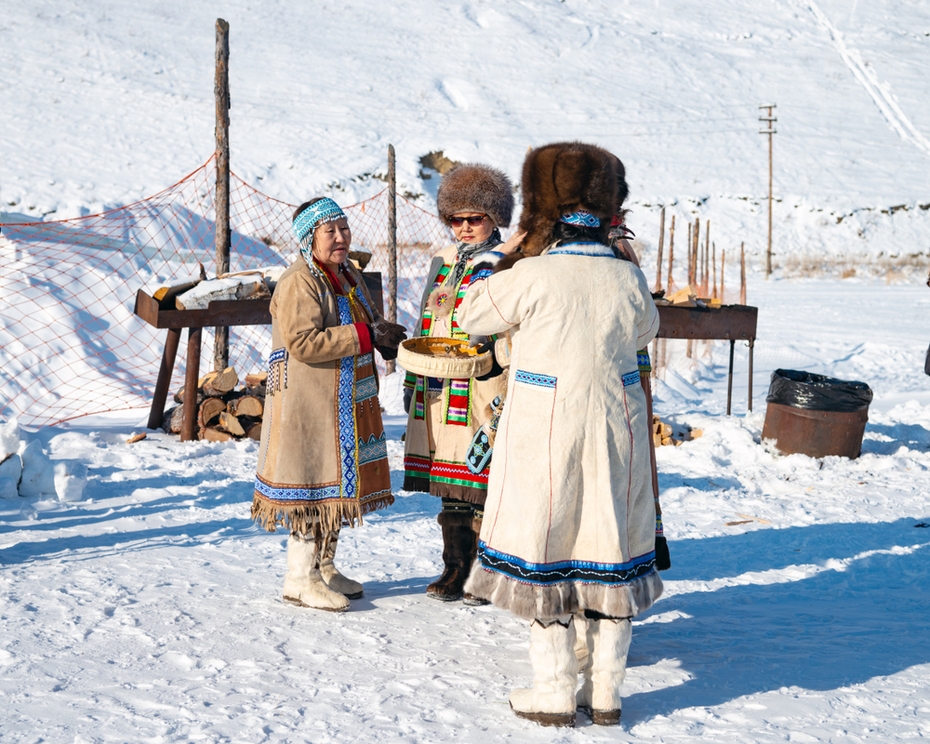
(473,221)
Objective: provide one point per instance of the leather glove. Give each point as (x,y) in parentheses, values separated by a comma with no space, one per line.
(496,369)
(387,334)
(408,398)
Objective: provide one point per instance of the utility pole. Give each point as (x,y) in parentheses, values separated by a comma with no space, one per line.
(769,123)
(221,203)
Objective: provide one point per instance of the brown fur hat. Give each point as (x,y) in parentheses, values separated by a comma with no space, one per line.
(563,177)
(472,187)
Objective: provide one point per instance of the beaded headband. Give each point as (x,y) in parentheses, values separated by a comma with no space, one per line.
(318,213)
(581,218)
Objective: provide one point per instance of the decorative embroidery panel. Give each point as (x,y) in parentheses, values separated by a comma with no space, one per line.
(457,403)
(534,378)
(374,449)
(345,404)
(630,378)
(289,493)
(458,474)
(277,371)
(553,573)
(365,389)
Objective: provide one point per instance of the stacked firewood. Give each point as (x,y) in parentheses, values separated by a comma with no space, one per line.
(674,434)
(223,411)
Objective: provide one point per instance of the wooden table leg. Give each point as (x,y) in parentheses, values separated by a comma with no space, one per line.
(164,378)
(730,376)
(191,377)
(752,342)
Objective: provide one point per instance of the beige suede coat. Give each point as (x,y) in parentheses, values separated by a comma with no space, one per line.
(570,517)
(323,454)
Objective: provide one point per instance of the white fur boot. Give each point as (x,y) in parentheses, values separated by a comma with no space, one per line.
(335,580)
(551,699)
(303,584)
(609,644)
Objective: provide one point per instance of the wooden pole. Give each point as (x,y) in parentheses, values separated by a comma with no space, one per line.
(671,253)
(392,247)
(723,273)
(221,203)
(661,242)
(713,263)
(690,252)
(742,273)
(696,238)
(707,259)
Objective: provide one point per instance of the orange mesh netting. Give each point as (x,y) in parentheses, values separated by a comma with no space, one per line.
(71,345)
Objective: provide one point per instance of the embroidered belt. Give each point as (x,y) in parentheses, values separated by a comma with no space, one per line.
(630,378)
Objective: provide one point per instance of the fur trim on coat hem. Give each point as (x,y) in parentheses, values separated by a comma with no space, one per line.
(331,515)
(532,601)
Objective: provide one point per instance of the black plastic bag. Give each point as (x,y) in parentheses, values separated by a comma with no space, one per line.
(791,387)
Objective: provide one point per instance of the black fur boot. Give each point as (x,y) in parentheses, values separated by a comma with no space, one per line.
(458,547)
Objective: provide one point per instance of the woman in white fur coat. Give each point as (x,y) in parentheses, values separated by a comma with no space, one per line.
(568,537)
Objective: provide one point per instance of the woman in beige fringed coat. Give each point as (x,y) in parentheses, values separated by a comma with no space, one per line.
(569,530)
(323,456)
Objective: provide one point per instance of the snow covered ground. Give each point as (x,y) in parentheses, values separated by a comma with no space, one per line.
(147,607)
(796,608)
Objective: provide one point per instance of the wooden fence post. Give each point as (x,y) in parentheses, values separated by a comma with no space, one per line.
(221,202)
(671,254)
(389,365)
(659,257)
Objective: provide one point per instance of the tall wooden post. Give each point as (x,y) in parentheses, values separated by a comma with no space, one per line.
(661,243)
(769,123)
(221,203)
(392,247)
(671,254)
(742,273)
(723,275)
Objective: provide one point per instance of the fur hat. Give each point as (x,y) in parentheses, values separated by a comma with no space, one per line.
(564,177)
(472,187)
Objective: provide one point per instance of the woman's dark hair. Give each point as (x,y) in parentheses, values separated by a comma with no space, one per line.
(564,233)
(306,204)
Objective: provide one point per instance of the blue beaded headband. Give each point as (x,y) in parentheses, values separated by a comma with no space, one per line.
(318,213)
(581,218)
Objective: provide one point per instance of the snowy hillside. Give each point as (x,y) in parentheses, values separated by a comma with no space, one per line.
(109,102)
(139,603)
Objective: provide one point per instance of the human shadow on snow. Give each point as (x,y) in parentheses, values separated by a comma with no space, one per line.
(823,631)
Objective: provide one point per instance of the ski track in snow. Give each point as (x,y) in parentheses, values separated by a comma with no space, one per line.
(878,90)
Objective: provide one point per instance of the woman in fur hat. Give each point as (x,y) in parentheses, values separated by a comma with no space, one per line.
(568,540)
(322,462)
(445,416)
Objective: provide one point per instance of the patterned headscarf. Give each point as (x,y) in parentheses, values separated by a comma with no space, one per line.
(319,213)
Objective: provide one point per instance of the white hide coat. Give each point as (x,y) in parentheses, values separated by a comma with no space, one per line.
(569,521)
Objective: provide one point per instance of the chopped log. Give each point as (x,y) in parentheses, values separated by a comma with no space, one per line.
(246,405)
(171,421)
(230,423)
(256,379)
(216,384)
(136,438)
(209,411)
(252,427)
(214,434)
(249,287)
(179,396)
(165,296)
(257,391)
